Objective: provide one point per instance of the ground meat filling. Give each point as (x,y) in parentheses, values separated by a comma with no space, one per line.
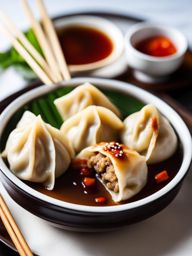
(103,166)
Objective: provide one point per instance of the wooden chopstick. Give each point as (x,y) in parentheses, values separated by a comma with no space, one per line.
(13,230)
(53,39)
(24,53)
(11,233)
(53,68)
(29,47)
(42,41)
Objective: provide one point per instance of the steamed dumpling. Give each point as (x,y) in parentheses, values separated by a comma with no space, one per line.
(121,170)
(90,126)
(150,134)
(36,151)
(80,98)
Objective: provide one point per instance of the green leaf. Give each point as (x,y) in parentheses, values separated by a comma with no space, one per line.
(5,59)
(126,103)
(13,58)
(32,38)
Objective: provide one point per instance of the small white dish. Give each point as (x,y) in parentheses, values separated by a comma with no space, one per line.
(100,24)
(149,68)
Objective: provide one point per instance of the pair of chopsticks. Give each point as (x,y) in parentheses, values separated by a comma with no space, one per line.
(13,230)
(50,68)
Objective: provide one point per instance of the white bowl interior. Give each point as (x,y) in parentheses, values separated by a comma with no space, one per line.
(167,111)
(101,24)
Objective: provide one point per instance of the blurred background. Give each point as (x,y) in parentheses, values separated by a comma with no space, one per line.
(176,13)
(173,12)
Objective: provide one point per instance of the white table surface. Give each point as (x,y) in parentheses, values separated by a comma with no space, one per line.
(169,233)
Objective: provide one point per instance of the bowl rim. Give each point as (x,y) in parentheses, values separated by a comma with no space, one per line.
(146,97)
(95,22)
(143,25)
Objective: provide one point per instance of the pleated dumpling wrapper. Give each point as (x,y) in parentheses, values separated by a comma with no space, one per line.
(36,151)
(150,134)
(82,97)
(121,170)
(90,126)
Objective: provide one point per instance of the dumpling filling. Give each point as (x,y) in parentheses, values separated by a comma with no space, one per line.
(104,168)
(122,171)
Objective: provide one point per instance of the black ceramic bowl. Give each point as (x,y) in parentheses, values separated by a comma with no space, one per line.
(90,218)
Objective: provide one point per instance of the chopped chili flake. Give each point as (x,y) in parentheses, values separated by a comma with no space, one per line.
(89,181)
(162,176)
(100,200)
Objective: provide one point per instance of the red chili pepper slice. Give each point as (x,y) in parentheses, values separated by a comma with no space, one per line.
(89,181)
(100,200)
(162,176)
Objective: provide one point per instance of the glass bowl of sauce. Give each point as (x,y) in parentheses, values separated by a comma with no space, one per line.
(154,51)
(89,42)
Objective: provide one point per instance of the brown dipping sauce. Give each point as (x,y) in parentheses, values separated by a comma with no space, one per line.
(69,187)
(84,45)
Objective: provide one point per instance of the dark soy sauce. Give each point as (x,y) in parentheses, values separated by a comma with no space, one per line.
(84,45)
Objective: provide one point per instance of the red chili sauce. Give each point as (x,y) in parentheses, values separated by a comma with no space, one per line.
(157,46)
(84,45)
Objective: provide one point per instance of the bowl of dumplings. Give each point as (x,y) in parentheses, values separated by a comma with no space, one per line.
(92,154)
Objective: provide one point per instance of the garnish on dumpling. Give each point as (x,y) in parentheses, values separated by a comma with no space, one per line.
(81,97)
(36,151)
(90,126)
(122,171)
(150,134)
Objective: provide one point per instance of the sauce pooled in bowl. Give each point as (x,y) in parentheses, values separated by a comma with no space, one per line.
(84,45)
(157,46)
